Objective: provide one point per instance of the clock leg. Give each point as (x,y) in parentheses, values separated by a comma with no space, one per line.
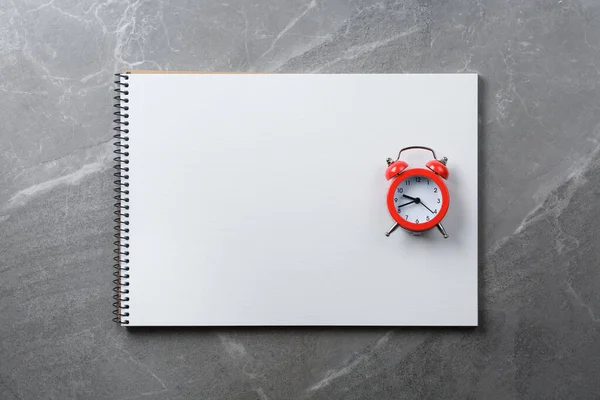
(442,230)
(392,229)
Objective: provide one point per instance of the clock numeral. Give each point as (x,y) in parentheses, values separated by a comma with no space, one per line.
(434,190)
(399,209)
(396,200)
(438,201)
(418,179)
(428,181)
(417,221)
(407,182)
(427,218)
(435,211)
(400,190)
(406,217)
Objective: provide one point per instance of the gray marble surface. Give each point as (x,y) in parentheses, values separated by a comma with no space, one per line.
(539,63)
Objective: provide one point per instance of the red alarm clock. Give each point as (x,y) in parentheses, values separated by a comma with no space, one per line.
(418,198)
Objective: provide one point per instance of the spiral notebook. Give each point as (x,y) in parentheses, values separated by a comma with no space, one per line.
(260,199)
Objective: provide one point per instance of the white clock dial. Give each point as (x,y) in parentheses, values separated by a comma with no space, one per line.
(418,199)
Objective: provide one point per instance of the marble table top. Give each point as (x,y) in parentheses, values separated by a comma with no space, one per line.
(539,63)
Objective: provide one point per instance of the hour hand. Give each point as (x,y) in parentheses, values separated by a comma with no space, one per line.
(409,197)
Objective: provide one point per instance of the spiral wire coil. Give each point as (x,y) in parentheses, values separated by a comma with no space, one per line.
(121,266)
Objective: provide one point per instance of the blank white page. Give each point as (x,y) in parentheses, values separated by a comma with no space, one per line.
(260,199)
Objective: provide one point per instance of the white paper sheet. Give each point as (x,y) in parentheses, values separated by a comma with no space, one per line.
(259,199)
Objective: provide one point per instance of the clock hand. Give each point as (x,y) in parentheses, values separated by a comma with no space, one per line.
(427,207)
(416,200)
(405,204)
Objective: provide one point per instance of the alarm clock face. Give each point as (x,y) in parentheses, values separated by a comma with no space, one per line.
(418,199)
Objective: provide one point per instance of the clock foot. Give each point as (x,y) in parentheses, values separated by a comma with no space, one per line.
(442,230)
(392,229)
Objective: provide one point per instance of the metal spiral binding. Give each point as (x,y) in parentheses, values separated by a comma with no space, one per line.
(121,266)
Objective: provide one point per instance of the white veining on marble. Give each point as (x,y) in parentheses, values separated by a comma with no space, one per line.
(23,196)
(349,367)
(553,206)
(290,25)
(580,302)
(148,370)
(357,51)
(247,366)
(233,348)
(261,393)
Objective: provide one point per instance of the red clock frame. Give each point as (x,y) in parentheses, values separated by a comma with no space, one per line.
(435,220)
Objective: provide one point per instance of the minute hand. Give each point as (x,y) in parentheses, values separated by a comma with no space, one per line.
(427,208)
